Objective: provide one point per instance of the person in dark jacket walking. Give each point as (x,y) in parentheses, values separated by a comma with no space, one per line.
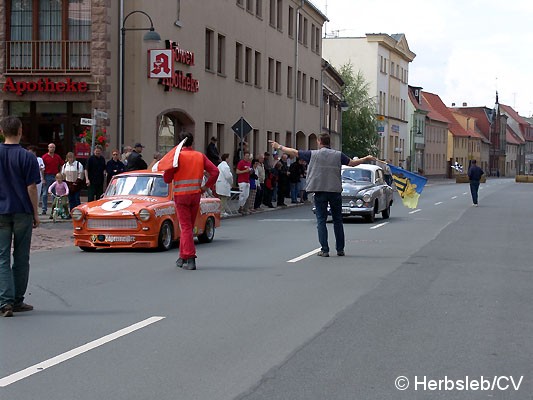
(474,174)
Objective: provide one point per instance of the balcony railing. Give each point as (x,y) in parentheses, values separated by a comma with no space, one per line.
(48,56)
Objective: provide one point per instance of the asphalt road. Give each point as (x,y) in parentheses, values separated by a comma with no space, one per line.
(442,292)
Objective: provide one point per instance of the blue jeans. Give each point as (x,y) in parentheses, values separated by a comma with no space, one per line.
(294,192)
(74,200)
(14,278)
(48,180)
(321,209)
(474,187)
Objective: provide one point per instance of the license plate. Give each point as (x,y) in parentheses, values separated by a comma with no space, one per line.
(346,210)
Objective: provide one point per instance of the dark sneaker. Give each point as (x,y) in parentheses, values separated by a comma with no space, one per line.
(190,264)
(6,311)
(322,254)
(340,253)
(22,307)
(179,262)
(43,213)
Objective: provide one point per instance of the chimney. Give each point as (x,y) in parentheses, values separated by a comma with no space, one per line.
(453,104)
(464,104)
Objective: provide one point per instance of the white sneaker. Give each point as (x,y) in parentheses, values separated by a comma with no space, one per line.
(224,214)
(475,205)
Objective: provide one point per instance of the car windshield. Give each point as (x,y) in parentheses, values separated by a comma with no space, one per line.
(358,175)
(146,185)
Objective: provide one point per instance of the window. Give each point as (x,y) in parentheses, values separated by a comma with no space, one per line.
(272,18)
(305,32)
(270,74)
(220,136)
(289,81)
(278,77)
(209,43)
(48,35)
(221,54)
(238,61)
(299,86)
(259,8)
(250,6)
(208,132)
(304,87)
(316,92)
(280,15)
(313,42)
(291,22)
(317,43)
(257,76)
(248,66)
(312,91)
(300,28)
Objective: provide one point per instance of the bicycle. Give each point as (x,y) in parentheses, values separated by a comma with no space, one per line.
(59,207)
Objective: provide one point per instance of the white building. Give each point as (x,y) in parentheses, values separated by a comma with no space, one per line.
(384,61)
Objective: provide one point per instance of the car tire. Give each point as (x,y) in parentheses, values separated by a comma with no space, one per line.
(372,216)
(386,212)
(165,236)
(88,248)
(209,231)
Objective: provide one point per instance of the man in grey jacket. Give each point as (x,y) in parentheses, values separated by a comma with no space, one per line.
(324,180)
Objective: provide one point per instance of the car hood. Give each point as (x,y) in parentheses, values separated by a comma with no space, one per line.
(120,205)
(352,188)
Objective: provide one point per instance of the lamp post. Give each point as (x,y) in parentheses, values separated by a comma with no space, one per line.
(344,106)
(150,36)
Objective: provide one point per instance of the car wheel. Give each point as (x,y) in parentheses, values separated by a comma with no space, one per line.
(87,248)
(386,212)
(372,216)
(165,236)
(209,231)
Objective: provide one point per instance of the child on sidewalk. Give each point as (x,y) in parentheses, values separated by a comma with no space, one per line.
(61,190)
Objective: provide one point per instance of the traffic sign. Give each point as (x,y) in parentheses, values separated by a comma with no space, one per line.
(86,121)
(241,128)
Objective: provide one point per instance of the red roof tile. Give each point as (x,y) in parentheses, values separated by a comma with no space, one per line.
(440,108)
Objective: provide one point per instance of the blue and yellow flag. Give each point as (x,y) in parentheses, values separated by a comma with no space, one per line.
(408,184)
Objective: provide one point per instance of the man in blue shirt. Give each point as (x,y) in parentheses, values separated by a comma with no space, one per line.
(19,174)
(324,180)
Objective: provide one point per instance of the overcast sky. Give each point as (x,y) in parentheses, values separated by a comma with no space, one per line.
(465,49)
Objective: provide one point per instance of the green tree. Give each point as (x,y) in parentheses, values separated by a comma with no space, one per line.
(359,124)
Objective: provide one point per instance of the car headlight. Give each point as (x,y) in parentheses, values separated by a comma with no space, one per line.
(367,197)
(359,203)
(76,214)
(144,215)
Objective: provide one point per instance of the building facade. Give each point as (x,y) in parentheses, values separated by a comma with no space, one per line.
(260,59)
(384,61)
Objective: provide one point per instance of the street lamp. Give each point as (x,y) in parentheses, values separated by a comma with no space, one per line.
(150,36)
(344,106)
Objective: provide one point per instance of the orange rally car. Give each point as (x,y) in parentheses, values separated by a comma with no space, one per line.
(137,211)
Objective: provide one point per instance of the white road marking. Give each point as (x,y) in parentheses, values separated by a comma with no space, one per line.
(465,193)
(454,197)
(17,376)
(379,225)
(304,255)
(415,211)
(438,203)
(287,220)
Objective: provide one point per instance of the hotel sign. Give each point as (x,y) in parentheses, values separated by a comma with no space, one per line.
(177,79)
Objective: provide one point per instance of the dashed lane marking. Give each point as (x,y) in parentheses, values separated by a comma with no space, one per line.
(17,376)
(415,211)
(438,203)
(379,225)
(304,256)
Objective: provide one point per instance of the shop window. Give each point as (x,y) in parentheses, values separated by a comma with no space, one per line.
(44,36)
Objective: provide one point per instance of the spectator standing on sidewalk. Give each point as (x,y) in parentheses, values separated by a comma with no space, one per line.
(260,182)
(324,180)
(114,166)
(224,184)
(212,151)
(73,172)
(33,149)
(135,159)
(52,165)
(95,174)
(19,214)
(243,171)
